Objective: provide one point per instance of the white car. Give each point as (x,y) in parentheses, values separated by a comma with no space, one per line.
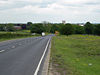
(43,34)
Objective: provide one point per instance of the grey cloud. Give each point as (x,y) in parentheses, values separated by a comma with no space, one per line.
(18,16)
(19,4)
(96,10)
(92,3)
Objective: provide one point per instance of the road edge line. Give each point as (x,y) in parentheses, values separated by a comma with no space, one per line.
(37,69)
(46,61)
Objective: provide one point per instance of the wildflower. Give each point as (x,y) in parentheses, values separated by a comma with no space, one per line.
(90,64)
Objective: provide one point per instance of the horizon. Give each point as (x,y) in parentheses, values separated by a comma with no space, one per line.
(49,22)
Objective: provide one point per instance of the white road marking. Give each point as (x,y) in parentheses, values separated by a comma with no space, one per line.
(2,51)
(13,46)
(37,69)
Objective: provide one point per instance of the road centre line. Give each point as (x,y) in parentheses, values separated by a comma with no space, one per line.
(2,51)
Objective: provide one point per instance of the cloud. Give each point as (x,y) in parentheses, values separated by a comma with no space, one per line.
(52,10)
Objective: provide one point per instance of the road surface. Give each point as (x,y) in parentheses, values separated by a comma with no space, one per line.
(22,57)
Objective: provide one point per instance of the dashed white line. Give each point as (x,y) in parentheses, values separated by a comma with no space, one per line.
(2,51)
(13,46)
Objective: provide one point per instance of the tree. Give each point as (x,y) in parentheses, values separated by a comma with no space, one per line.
(89,28)
(37,28)
(9,27)
(47,27)
(67,29)
(2,27)
(54,28)
(97,29)
(79,29)
(28,25)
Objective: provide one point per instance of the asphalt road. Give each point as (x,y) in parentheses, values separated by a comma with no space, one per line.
(21,57)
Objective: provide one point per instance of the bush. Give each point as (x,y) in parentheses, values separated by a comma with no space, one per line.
(67,29)
(97,29)
(12,35)
(89,28)
(2,27)
(37,28)
(54,28)
(79,29)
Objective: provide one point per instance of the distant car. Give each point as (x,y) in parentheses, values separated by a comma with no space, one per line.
(43,34)
(33,33)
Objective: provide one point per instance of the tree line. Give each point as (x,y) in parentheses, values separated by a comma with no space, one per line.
(88,28)
(67,29)
(64,29)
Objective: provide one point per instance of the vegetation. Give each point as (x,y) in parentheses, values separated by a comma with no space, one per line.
(15,35)
(76,54)
(67,29)
(47,27)
(37,28)
(72,55)
(54,27)
(89,28)
(97,29)
(28,25)
(79,29)
(7,27)
(1,27)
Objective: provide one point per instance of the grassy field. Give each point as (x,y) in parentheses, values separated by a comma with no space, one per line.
(15,35)
(19,31)
(76,54)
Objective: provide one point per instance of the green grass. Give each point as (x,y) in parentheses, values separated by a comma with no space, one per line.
(18,31)
(15,35)
(76,54)
(23,31)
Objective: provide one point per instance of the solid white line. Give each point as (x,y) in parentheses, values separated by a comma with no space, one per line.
(2,51)
(37,69)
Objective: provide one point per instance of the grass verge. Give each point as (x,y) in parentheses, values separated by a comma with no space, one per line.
(14,35)
(76,54)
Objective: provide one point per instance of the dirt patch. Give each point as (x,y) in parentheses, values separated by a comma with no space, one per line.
(52,70)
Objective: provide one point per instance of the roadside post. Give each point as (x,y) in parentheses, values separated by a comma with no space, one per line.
(56,33)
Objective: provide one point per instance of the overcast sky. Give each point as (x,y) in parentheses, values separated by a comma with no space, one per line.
(73,11)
